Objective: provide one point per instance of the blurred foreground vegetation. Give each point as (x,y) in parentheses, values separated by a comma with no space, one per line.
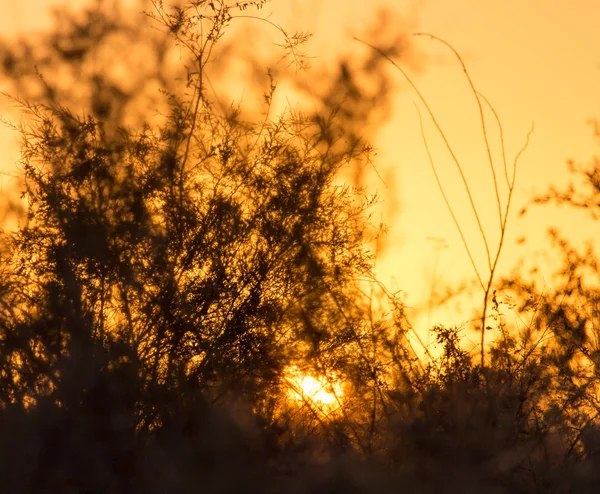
(174,260)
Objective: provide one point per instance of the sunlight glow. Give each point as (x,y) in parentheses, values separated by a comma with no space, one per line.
(319,391)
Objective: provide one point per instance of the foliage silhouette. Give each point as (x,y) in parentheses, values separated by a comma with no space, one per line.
(162,267)
(170,269)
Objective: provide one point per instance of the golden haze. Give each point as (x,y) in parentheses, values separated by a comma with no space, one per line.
(535,61)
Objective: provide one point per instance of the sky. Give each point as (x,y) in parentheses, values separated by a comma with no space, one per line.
(536,62)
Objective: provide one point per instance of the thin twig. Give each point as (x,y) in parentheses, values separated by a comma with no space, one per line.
(492,264)
(444,138)
(481,115)
(448,205)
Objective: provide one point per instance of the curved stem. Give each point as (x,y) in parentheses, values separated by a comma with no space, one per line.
(503,217)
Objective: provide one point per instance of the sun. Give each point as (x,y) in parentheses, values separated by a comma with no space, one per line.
(324,393)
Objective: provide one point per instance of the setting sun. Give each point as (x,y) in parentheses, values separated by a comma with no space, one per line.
(315,390)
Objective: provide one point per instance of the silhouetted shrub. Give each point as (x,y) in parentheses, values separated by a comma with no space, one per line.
(168,273)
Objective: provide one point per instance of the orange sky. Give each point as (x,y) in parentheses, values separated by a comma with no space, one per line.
(535,61)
